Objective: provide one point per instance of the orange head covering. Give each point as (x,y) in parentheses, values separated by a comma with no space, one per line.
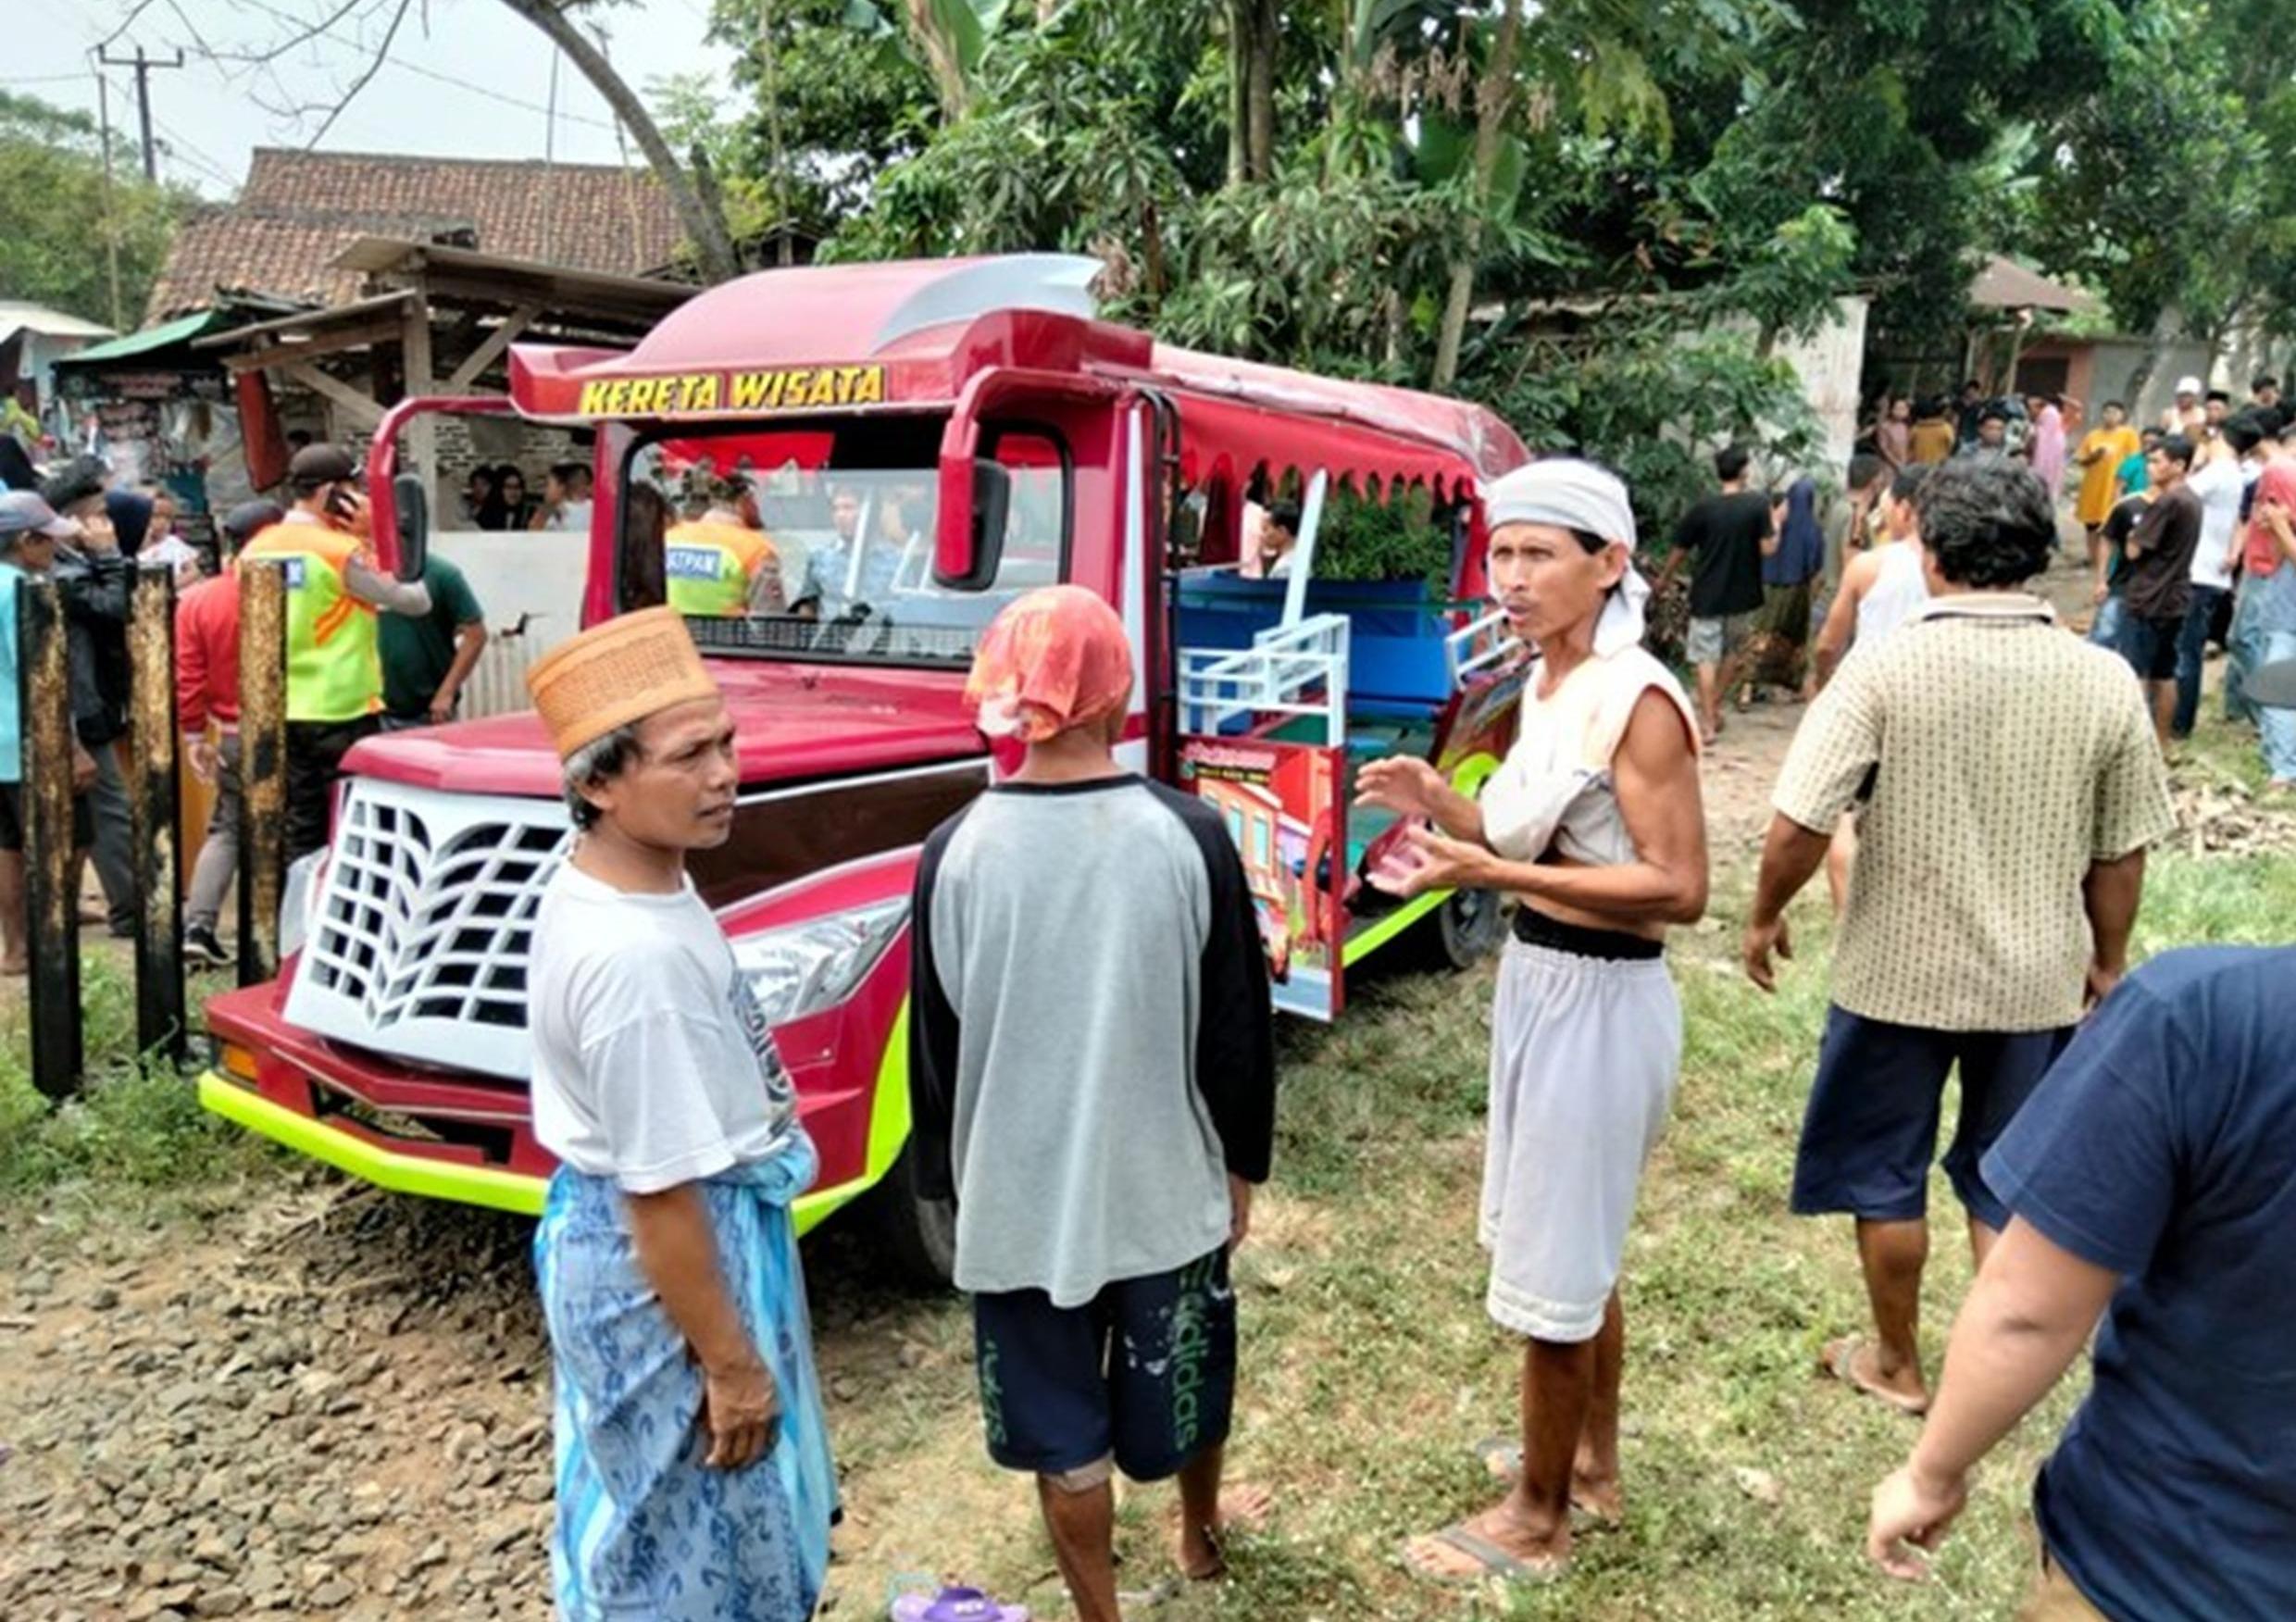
(621,671)
(1053,660)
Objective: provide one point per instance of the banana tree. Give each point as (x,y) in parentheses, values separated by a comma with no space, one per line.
(952,37)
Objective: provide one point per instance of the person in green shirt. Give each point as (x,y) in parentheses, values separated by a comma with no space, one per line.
(427,657)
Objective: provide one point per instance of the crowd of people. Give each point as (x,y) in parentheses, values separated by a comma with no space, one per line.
(1095,1088)
(495,496)
(2185,520)
(365,653)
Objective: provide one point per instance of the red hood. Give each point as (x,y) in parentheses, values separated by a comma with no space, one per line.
(794,720)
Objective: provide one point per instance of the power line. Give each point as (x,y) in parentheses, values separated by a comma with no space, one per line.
(494,94)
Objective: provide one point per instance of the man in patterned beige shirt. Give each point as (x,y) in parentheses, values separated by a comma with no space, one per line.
(2007,782)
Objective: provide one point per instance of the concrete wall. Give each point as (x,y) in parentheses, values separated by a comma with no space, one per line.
(1828,366)
(2114,363)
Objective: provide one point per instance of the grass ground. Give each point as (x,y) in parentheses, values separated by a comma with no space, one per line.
(1369,1369)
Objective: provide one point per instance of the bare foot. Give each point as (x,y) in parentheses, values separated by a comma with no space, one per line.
(13,967)
(1243,1507)
(1856,1362)
(1597,1497)
(1497,1543)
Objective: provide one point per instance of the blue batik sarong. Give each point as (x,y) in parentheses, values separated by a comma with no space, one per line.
(643,1528)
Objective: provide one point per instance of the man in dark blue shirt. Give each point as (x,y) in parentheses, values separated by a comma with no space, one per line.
(2153,1179)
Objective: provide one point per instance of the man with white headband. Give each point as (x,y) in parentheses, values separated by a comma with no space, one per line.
(1594,825)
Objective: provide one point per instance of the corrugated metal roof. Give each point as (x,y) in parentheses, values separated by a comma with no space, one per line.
(150,339)
(18,316)
(2005,284)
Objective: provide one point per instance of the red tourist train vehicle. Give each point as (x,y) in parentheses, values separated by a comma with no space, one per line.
(982,434)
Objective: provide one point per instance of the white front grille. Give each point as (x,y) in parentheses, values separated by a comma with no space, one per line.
(419,943)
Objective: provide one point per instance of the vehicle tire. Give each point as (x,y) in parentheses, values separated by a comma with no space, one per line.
(1467,927)
(915,1236)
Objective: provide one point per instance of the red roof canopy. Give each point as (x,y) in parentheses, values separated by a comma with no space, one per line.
(911,334)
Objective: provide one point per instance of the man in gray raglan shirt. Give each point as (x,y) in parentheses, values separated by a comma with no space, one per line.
(1092,1080)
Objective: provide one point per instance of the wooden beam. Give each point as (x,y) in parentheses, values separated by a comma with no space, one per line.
(362,336)
(486,354)
(421,443)
(362,409)
(571,302)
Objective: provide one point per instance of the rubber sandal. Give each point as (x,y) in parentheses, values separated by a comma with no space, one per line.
(1162,1594)
(1838,1360)
(1496,1563)
(952,1604)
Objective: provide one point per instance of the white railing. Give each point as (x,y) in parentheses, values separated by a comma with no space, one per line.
(1461,655)
(497,684)
(1279,674)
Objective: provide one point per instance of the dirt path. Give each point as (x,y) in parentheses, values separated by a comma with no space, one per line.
(325,1401)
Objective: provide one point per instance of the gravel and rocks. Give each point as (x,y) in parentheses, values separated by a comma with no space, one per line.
(327,1402)
(331,1406)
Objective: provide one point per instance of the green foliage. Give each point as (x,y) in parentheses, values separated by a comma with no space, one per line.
(1651,389)
(1710,175)
(1397,538)
(848,100)
(135,1127)
(52,216)
(2175,191)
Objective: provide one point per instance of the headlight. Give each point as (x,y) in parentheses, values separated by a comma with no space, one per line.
(813,966)
(299,899)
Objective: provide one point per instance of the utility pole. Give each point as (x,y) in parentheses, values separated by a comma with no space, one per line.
(144,65)
(111,224)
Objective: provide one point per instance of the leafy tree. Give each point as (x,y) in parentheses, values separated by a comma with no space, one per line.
(52,224)
(1600,215)
(2173,192)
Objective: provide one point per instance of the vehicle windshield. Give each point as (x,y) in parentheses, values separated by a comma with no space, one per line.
(816,543)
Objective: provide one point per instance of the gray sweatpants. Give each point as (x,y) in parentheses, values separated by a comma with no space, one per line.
(218,853)
(1584,1055)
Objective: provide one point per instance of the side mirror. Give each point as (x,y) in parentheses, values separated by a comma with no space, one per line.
(991,508)
(414,524)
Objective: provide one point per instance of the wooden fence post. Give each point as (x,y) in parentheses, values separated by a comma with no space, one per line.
(51,860)
(153,793)
(262,764)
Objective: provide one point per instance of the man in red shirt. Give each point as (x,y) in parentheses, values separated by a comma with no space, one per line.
(206,689)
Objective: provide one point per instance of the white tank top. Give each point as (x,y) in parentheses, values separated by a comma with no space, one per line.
(1554,788)
(1899,590)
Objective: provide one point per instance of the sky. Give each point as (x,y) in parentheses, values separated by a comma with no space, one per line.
(462,78)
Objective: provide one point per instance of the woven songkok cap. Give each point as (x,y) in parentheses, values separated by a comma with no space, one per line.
(616,673)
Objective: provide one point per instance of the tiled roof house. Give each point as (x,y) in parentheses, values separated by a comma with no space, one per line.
(299,209)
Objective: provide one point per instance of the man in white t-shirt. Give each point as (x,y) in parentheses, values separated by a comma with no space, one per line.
(2219,483)
(666,1255)
(565,499)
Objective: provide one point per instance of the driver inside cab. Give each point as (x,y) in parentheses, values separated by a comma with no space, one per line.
(718,559)
(833,589)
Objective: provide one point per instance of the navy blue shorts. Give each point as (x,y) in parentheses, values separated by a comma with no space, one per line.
(1145,1371)
(1872,1123)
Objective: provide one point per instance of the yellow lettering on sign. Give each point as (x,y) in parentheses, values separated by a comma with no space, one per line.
(749,389)
(783,389)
